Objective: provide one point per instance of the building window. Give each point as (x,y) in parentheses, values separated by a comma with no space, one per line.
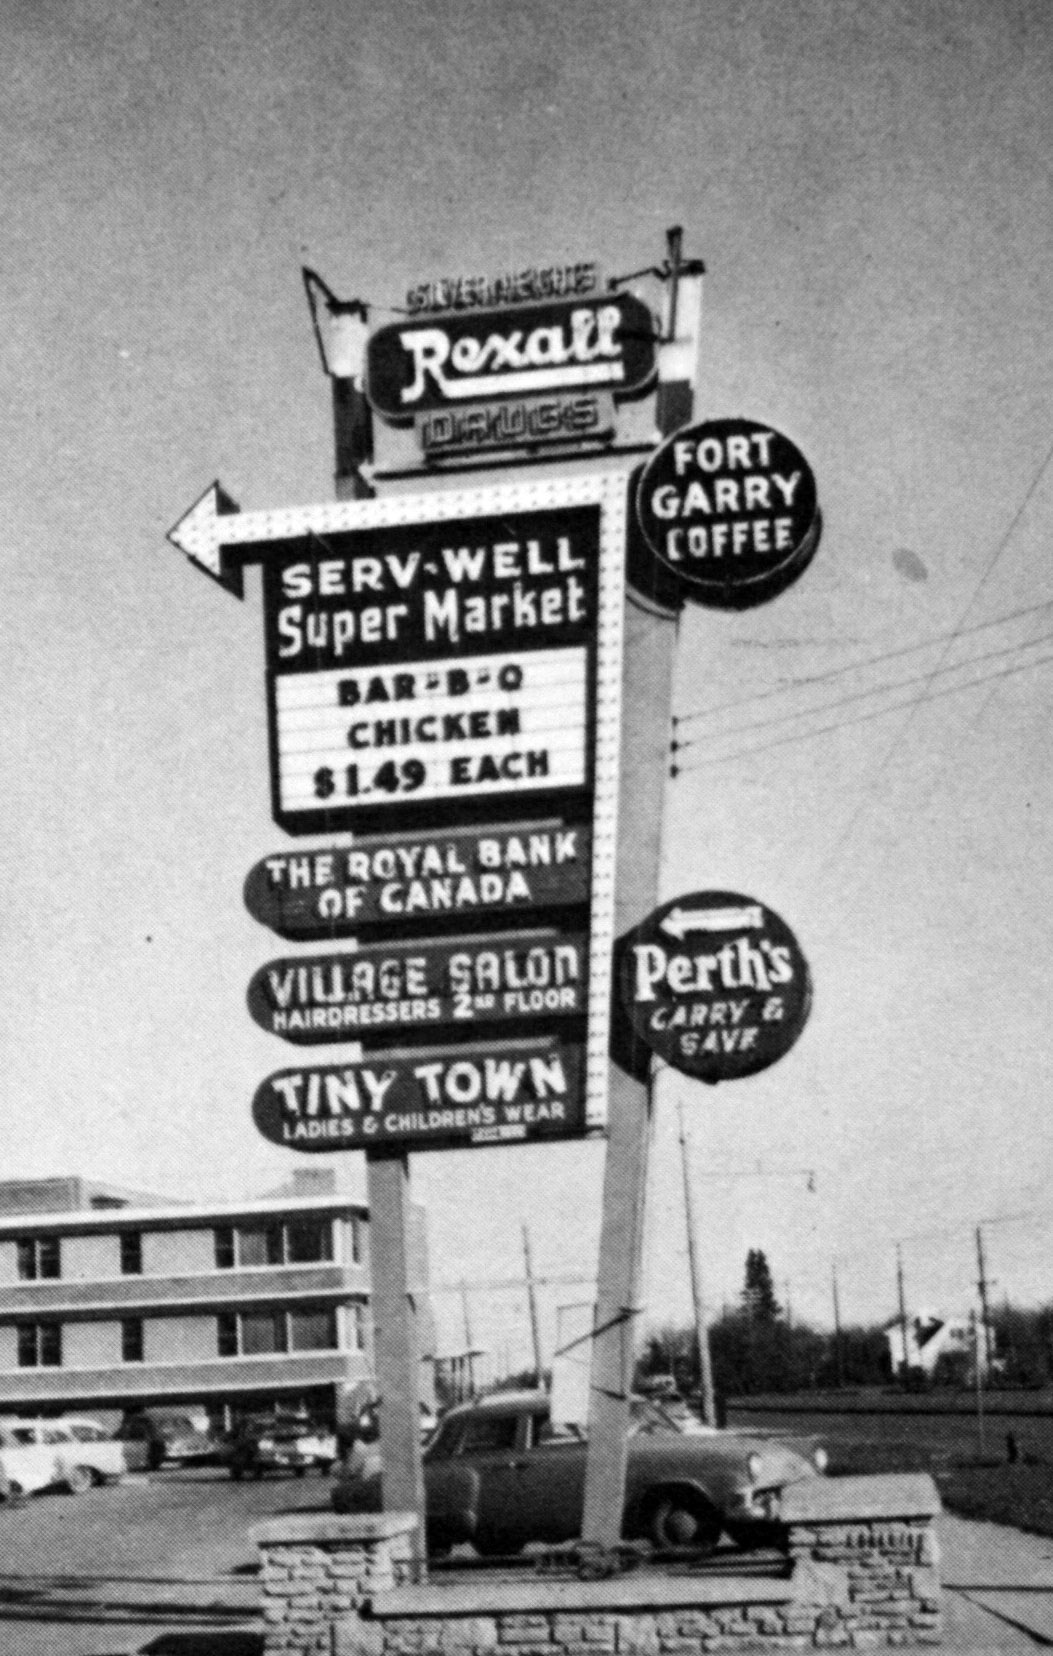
(38,1257)
(356,1326)
(312,1330)
(299,1242)
(261,1333)
(355,1231)
(260,1245)
(39,1345)
(308,1241)
(224,1239)
(131,1253)
(131,1340)
(271,1333)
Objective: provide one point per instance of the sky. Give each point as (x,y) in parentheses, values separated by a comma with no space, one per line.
(868,184)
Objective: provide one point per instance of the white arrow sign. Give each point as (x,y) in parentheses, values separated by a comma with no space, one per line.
(678,922)
(220,538)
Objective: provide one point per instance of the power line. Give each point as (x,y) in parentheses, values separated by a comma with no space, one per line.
(908,724)
(861,718)
(810,679)
(943,1233)
(862,695)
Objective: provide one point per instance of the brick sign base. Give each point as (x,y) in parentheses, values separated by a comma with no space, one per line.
(861,1573)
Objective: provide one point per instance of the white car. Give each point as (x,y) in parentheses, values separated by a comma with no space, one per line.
(27,1463)
(97,1449)
(79,1452)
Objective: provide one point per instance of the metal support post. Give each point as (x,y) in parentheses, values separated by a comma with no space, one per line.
(395,1334)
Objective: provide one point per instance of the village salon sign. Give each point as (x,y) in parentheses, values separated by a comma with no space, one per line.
(435,362)
(716,984)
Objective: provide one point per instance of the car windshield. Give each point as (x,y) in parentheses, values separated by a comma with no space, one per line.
(648,1415)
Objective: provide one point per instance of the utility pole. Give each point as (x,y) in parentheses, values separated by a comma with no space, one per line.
(535,1329)
(985,1312)
(904,1365)
(705,1365)
(980,1426)
(469,1354)
(839,1352)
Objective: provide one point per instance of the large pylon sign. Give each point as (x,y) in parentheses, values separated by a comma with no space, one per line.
(443,681)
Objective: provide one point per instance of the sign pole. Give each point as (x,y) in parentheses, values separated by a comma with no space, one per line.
(646,718)
(395,1334)
(396,1331)
(645,749)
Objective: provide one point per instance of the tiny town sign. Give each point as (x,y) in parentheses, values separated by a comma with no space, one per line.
(716,984)
(498,1092)
(729,509)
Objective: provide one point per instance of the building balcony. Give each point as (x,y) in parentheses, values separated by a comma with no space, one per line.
(143,1383)
(137,1295)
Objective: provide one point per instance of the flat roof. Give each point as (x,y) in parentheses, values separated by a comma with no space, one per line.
(178,1216)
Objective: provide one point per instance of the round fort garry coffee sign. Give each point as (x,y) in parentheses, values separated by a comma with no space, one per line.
(729,509)
(714,983)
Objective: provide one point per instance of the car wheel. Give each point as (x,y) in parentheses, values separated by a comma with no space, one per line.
(15,1493)
(683,1519)
(78,1480)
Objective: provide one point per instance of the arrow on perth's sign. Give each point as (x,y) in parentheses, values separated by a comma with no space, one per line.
(220,538)
(678,922)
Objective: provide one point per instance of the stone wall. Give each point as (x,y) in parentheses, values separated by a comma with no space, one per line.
(861,1572)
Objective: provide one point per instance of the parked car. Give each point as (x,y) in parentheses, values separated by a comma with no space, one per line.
(273,1443)
(180,1436)
(500,1473)
(93,1447)
(69,1452)
(26,1463)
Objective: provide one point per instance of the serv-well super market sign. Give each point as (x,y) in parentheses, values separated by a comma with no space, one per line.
(422,666)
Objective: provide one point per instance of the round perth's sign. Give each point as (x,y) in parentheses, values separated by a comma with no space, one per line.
(715,984)
(729,509)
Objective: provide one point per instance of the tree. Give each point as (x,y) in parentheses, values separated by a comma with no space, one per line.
(758,1294)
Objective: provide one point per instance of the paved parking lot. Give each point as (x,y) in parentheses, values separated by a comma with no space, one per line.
(163,1567)
(159,1566)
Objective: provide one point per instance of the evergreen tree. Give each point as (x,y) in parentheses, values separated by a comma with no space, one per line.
(758,1294)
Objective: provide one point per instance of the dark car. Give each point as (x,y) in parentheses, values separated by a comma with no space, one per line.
(500,1473)
(270,1443)
(177,1436)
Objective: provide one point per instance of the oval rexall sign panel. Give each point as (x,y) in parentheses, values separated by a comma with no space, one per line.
(606,341)
(716,984)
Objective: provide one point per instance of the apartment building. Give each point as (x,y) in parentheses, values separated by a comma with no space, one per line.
(110,1299)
